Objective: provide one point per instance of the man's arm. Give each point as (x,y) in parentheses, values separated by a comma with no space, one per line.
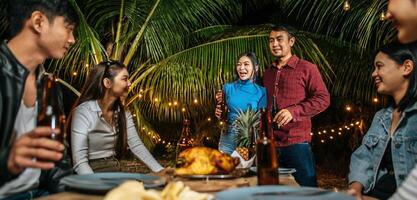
(318,98)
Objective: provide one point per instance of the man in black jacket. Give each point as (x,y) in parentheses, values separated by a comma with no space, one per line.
(40,29)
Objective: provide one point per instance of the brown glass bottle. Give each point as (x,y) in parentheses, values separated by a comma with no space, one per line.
(50,112)
(267,164)
(186,141)
(223,107)
(252,143)
(274,110)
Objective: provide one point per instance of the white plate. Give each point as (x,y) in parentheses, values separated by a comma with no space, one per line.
(281,170)
(280,193)
(103,182)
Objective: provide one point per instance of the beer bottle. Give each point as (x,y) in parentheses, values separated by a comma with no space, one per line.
(186,141)
(252,142)
(267,164)
(275,109)
(50,113)
(223,107)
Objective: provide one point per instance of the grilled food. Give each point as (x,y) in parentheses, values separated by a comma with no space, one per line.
(204,161)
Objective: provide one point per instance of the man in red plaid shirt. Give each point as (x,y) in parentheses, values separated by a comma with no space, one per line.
(300,93)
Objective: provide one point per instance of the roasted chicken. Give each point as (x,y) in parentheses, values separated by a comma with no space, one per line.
(203,161)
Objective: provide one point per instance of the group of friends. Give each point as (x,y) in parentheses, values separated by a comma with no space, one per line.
(102,130)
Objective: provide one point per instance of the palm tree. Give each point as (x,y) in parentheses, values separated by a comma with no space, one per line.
(352,36)
(178,52)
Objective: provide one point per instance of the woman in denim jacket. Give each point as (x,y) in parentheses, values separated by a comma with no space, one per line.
(389,149)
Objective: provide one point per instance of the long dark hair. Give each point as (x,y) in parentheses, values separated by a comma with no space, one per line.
(399,53)
(94,90)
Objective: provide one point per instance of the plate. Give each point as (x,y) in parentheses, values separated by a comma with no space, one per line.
(281,170)
(280,193)
(238,172)
(208,176)
(103,182)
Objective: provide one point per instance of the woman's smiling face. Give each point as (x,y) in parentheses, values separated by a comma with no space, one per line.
(245,68)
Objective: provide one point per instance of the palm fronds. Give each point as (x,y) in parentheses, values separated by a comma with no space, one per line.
(245,122)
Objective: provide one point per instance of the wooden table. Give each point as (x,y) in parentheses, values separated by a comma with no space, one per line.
(210,186)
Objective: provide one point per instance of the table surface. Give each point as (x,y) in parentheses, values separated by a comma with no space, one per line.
(208,186)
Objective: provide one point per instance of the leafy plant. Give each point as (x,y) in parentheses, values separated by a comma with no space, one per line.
(244,123)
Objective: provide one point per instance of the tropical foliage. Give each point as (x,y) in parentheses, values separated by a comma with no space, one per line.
(246,122)
(178,52)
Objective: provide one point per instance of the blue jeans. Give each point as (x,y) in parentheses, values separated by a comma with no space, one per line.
(28,195)
(300,157)
(227,142)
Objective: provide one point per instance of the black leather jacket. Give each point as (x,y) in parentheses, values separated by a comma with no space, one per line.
(12,81)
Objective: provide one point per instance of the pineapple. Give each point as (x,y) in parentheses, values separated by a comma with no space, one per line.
(245,121)
(244,152)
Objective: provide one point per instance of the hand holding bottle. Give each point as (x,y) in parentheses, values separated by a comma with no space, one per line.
(221,109)
(35,150)
(283,117)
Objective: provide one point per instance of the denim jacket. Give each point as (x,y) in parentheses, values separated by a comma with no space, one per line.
(365,161)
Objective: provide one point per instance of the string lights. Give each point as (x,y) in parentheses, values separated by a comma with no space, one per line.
(324,133)
(328,133)
(346,5)
(382,17)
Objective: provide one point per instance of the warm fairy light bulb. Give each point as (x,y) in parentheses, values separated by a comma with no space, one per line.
(134,115)
(221,123)
(331,137)
(322,141)
(156,100)
(209,119)
(175,103)
(311,134)
(143,128)
(346,6)
(340,133)
(357,122)
(169,104)
(332,130)
(141,90)
(319,133)
(382,17)
(74,73)
(140,95)
(348,108)
(183,109)
(86,65)
(375,100)
(195,101)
